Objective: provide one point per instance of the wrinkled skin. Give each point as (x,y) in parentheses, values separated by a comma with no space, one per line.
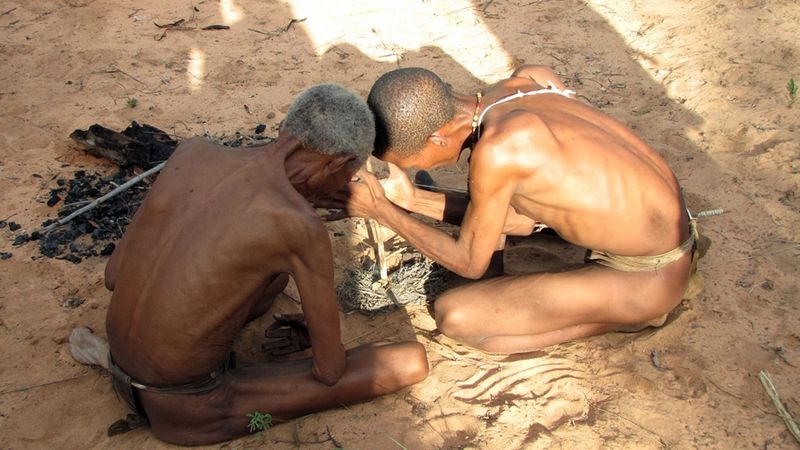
(215,241)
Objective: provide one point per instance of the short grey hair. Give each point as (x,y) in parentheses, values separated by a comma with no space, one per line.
(329,119)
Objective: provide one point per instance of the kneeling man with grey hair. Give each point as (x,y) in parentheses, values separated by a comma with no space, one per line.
(215,241)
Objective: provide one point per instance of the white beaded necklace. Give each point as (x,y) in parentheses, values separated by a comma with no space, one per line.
(551,89)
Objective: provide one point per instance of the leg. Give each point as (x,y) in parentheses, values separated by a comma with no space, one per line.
(266,297)
(284,391)
(523,313)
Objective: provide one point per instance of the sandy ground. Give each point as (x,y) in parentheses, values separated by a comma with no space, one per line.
(703,81)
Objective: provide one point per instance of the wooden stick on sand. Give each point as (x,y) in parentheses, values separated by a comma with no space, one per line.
(376,237)
(119,189)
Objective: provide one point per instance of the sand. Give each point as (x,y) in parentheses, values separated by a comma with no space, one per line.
(704,82)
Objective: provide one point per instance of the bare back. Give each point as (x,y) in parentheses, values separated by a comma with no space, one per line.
(213,231)
(579,171)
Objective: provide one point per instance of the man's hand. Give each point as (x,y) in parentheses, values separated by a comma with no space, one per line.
(361,198)
(398,187)
(288,334)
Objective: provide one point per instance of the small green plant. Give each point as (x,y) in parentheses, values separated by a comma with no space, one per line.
(791,86)
(132,102)
(259,421)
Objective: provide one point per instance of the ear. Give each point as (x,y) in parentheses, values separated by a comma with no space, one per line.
(339,162)
(437,140)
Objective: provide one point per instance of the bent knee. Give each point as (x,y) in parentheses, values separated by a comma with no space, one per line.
(451,319)
(653,307)
(412,366)
(417,369)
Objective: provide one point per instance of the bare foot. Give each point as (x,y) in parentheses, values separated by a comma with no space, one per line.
(89,348)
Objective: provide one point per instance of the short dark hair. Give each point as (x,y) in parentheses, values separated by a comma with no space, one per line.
(409,104)
(328,118)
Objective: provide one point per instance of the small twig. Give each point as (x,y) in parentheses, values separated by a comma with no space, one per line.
(28,388)
(433,188)
(766,381)
(713,383)
(177,26)
(783,358)
(398,444)
(709,213)
(294,21)
(261,32)
(336,443)
(171,25)
(359,336)
(556,58)
(78,203)
(122,72)
(660,439)
(9,11)
(123,187)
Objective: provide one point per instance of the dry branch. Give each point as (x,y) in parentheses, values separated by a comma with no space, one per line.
(766,381)
(122,188)
(416,281)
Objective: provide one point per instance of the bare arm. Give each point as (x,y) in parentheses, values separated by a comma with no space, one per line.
(447,207)
(542,75)
(312,269)
(469,254)
(401,191)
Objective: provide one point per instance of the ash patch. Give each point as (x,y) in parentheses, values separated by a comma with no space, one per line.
(94,232)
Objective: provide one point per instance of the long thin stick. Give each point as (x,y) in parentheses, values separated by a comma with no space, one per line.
(376,235)
(655,435)
(121,188)
(441,189)
(766,381)
(28,388)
